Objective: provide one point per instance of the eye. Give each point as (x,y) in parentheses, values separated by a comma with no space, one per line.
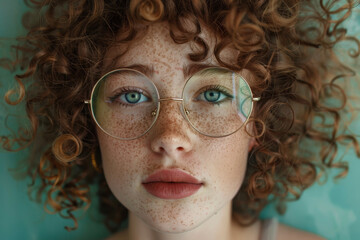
(133,97)
(129,97)
(214,94)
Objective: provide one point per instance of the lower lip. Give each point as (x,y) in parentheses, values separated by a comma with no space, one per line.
(167,190)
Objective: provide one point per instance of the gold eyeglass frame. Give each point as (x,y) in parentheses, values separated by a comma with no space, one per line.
(156,111)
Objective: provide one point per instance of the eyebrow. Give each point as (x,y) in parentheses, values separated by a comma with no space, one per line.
(188,70)
(145,69)
(193,68)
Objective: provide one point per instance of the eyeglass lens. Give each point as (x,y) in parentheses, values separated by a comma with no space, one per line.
(216,102)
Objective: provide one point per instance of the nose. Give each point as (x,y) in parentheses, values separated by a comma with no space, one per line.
(171,135)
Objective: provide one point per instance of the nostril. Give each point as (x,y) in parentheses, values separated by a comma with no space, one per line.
(171,144)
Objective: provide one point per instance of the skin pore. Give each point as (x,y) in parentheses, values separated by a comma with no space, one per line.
(219,163)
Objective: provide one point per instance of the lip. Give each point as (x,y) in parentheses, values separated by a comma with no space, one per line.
(171,184)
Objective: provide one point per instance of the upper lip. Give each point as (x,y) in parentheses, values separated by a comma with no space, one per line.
(171,175)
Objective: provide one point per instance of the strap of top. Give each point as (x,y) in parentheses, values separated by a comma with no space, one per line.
(269,229)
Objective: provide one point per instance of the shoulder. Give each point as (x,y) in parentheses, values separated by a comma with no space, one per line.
(286,232)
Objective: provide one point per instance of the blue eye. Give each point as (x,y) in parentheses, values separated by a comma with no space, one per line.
(133,97)
(214,95)
(128,97)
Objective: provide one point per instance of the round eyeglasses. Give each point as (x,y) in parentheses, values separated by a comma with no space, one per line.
(215,101)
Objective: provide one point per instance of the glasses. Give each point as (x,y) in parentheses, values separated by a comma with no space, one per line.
(215,101)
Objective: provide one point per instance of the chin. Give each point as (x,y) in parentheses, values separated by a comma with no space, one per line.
(179,224)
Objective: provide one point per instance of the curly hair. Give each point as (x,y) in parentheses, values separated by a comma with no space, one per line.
(287,45)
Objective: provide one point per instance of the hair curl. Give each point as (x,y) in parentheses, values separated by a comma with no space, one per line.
(288,46)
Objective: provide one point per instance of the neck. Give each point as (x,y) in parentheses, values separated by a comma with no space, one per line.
(218,226)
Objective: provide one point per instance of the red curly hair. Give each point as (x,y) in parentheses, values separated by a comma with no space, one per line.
(287,45)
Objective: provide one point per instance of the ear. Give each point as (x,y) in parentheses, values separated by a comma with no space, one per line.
(252,144)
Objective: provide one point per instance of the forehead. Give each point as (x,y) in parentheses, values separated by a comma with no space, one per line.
(155,48)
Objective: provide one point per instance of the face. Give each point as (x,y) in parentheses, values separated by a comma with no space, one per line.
(219,164)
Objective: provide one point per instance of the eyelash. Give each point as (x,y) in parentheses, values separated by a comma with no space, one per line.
(122,91)
(219,88)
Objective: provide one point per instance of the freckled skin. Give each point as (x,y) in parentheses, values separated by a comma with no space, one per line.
(220,163)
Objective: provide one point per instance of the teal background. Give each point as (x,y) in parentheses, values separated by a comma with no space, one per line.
(331,210)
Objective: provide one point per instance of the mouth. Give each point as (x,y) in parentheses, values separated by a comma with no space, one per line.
(171,184)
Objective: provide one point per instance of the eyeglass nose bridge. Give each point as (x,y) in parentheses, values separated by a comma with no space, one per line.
(171,99)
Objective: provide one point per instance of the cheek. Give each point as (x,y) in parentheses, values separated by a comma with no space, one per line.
(227,162)
(120,160)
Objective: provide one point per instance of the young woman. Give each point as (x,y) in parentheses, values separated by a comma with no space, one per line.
(191,116)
